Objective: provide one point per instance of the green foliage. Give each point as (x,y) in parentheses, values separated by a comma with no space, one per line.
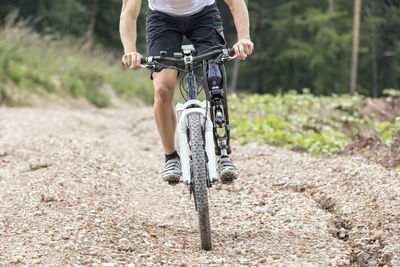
(391,92)
(70,18)
(389,131)
(39,65)
(17,72)
(318,125)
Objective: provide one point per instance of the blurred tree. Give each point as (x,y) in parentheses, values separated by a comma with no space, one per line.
(298,44)
(356,39)
(92,23)
(331,5)
(235,70)
(106,22)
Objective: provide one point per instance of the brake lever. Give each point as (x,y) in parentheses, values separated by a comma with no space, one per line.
(147,66)
(228,58)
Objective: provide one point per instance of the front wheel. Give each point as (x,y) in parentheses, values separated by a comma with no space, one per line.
(199,180)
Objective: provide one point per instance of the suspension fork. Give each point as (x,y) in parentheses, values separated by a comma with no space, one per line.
(226,112)
(222,143)
(184,110)
(194,106)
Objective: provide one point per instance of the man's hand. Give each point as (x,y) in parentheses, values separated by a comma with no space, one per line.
(132,60)
(127,28)
(243,48)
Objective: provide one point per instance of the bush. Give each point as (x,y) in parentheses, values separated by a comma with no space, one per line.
(318,125)
(39,64)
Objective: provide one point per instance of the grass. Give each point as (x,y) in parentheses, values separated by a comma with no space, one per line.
(36,64)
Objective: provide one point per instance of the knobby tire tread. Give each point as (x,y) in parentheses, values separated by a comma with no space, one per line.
(200,180)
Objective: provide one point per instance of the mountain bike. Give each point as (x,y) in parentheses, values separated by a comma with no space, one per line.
(203,126)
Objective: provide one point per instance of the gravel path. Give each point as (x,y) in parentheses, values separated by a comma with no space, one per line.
(83,187)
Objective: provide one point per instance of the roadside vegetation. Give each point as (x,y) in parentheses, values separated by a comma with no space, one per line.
(33,64)
(318,125)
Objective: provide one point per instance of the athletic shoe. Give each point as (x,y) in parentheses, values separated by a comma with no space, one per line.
(172,171)
(227,170)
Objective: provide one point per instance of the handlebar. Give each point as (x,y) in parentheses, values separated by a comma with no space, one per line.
(150,62)
(195,59)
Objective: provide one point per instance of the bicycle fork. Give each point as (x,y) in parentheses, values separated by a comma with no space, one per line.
(184,110)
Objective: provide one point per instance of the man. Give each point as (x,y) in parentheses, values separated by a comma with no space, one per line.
(166,23)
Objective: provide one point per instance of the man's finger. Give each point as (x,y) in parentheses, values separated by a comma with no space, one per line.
(251,48)
(136,62)
(125,61)
(248,49)
(242,53)
(134,66)
(129,57)
(237,53)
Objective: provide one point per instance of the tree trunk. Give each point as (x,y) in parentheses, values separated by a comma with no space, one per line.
(92,23)
(356,33)
(22,8)
(235,70)
(374,54)
(374,65)
(331,6)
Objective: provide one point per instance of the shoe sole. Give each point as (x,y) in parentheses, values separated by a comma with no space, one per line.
(228,177)
(172,180)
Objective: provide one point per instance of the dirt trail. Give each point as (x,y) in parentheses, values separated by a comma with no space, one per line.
(83,187)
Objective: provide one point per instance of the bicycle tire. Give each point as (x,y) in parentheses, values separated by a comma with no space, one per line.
(200,180)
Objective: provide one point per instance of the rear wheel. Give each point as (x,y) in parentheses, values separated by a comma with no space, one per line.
(199,180)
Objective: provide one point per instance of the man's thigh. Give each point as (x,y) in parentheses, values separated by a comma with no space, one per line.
(166,78)
(167,40)
(161,35)
(206,32)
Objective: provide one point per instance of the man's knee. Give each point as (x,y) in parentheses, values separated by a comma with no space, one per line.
(164,86)
(163,94)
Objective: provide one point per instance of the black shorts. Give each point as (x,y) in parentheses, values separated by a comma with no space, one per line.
(165,32)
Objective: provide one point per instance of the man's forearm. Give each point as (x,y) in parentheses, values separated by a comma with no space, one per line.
(127,27)
(241,17)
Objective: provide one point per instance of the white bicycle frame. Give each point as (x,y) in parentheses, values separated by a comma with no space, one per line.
(184,110)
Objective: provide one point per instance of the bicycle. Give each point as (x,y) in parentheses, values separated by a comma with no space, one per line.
(199,137)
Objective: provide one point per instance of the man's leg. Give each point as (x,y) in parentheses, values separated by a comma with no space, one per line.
(164,112)
(163,34)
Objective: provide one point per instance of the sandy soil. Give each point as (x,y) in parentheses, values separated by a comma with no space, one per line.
(83,187)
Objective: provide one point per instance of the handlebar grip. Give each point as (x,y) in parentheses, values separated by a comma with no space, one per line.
(143,61)
(231,51)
